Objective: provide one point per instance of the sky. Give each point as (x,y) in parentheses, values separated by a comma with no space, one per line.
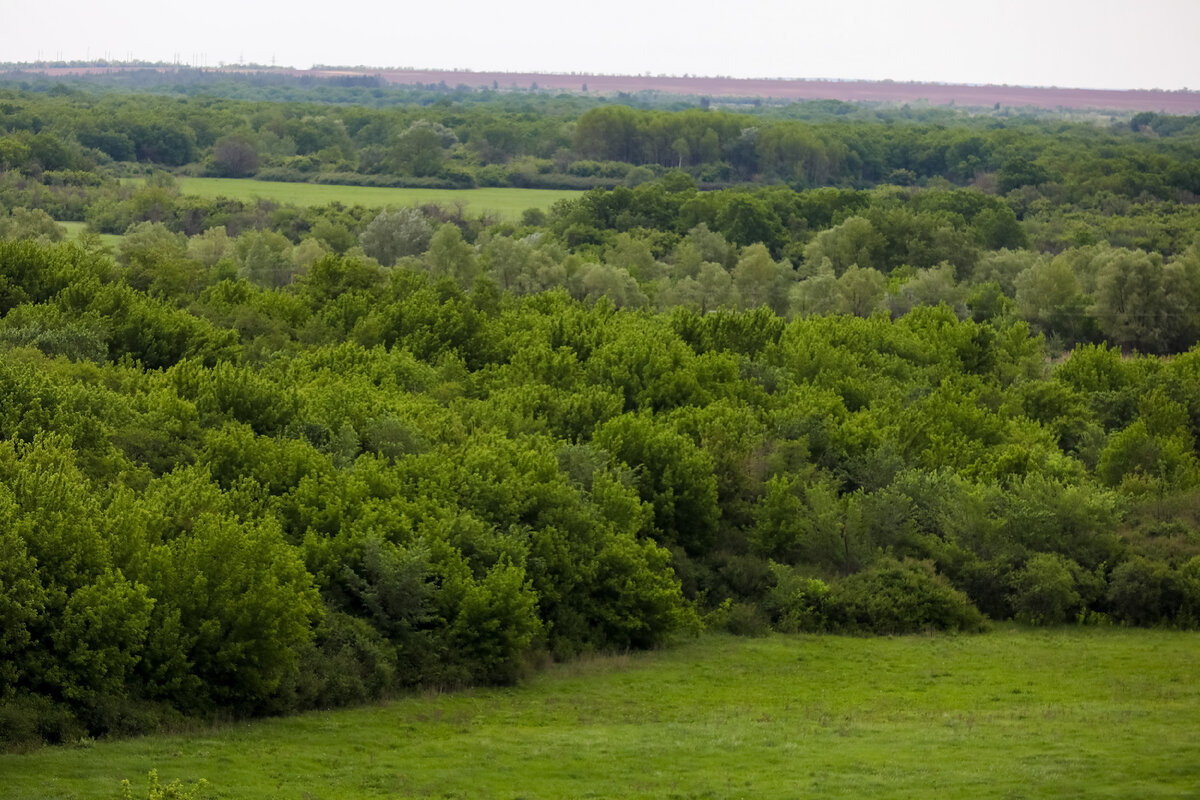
(1095,44)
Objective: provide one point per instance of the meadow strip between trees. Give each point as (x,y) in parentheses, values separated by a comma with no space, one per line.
(1061,712)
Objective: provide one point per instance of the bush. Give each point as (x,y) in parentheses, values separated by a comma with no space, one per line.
(599,169)
(894,597)
(1044,590)
(157,791)
(456,179)
(797,603)
(746,619)
(116,716)
(1139,592)
(32,721)
(351,662)
(557,180)
(1188,585)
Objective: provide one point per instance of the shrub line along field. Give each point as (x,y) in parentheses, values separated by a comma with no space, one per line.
(1016,713)
(507,203)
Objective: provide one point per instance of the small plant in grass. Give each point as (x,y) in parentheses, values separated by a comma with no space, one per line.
(158,791)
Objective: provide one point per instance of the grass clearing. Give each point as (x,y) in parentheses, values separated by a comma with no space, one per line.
(1011,714)
(76,228)
(505,202)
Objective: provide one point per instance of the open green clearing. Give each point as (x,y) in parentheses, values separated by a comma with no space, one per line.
(76,228)
(1013,714)
(505,202)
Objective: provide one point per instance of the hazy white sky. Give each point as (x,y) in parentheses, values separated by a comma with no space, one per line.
(1117,44)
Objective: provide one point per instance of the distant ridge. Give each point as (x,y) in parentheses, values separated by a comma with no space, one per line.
(1171,102)
(1177,102)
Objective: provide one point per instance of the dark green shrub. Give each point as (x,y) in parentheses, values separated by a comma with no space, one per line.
(746,619)
(30,721)
(797,603)
(1187,582)
(350,663)
(1139,592)
(892,597)
(116,716)
(1044,591)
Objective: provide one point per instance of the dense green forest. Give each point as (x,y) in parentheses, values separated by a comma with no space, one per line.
(865,375)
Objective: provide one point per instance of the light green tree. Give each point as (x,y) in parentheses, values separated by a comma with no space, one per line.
(449,256)
(853,242)
(392,235)
(419,151)
(1131,304)
(761,280)
(860,291)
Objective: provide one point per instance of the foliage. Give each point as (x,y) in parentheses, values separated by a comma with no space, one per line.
(175,790)
(899,597)
(1045,590)
(277,456)
(394,235)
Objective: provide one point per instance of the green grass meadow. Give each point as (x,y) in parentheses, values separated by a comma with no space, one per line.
(1011,714)
(76,228)
(504,202)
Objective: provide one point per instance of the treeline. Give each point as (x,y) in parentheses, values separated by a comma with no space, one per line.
(282,87)
(1132,281)
(573,142)
(223,497)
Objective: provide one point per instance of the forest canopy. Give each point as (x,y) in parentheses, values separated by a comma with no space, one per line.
(868,375)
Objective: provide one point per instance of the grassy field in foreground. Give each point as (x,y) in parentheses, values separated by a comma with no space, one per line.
(506,203)
(1010,714)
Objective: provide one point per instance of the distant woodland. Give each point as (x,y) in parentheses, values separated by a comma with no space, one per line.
(811,367)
